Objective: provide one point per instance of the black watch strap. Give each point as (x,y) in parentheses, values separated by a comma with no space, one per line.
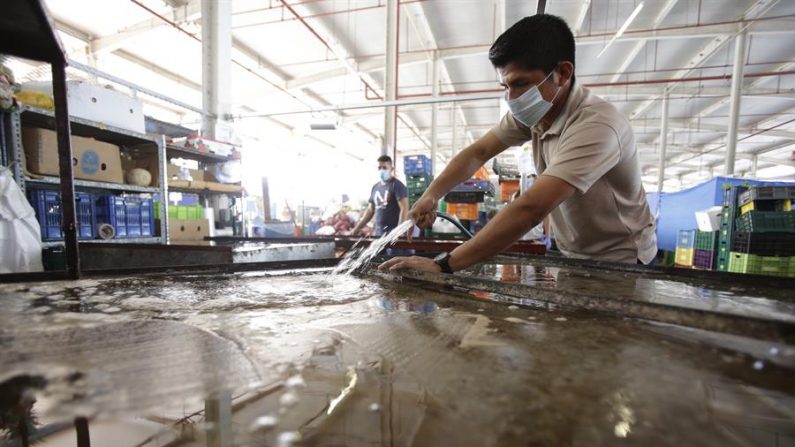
(443,261)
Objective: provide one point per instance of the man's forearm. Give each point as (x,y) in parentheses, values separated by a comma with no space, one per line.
(363,221)
(404,214)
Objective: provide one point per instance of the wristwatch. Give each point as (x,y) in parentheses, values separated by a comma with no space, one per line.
(443,261)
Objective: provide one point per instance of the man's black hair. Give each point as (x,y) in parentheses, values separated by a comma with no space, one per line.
(535,42)
(385,159)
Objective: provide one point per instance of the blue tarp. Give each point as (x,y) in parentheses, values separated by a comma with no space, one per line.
(677,209)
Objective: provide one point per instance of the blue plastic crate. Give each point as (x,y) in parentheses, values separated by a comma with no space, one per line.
(47,204)
(130,216)
(416,165)
(687,239)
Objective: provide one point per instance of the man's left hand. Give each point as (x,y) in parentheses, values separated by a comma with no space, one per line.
(412,262)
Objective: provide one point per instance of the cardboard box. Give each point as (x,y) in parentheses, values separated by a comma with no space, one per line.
(100,104)
(91,159)
(709,219)
(204,185)
(188,230)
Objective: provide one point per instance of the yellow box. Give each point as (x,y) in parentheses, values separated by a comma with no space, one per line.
(747,207)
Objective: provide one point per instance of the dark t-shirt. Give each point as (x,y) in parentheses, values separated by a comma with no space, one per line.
(384,197)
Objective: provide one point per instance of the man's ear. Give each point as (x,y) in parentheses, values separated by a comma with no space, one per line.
(565,72)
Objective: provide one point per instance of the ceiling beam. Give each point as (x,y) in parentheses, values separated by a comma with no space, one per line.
(640,44)
(374,63)
(757,10)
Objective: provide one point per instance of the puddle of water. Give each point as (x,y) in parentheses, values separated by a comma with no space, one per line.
(259,359)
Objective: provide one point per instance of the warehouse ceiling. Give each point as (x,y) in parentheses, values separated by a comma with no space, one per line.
(300,55)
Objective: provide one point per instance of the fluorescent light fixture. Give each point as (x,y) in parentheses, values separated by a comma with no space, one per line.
(622,29)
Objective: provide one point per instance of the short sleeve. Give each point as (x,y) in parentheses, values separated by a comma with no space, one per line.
(400,190)
(584,155)
(511,132)
(370,200)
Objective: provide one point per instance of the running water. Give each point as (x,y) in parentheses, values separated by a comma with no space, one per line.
(357,260)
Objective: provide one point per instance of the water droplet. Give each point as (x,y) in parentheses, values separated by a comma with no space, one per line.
(560,319)
(289,399)
(374,407)
(295,382)
(774,351)
(111,310)
(758,365)
(481,310)
(264,423)
(513,307)
(288,438)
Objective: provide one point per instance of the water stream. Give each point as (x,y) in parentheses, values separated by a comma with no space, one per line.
(360,258)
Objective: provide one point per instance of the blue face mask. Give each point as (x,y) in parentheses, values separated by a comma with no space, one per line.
(384,174)
(530,107)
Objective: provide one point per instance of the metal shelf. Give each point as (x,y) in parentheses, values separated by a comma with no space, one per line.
(36,117)
(207,157)
(134,240)
(28,116)
(203,191)
(96,185)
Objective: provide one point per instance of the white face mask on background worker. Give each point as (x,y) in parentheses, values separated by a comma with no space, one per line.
(530,106)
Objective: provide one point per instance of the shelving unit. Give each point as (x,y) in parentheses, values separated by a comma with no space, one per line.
(27,116)
(204,159)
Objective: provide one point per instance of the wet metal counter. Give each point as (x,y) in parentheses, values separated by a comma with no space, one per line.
(520,350)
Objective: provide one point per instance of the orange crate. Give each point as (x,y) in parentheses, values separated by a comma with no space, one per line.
(463,211)
(507,188)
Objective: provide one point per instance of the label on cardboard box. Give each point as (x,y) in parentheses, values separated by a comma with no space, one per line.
(91,159)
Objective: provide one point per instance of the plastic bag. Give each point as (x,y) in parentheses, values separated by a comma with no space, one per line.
(20,235)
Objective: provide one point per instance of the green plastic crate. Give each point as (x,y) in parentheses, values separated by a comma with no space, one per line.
(418,182)
(766,222)
(762,265)
(186,212)
(706,240)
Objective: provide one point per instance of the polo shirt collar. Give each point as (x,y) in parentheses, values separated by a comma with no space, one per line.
(575,96)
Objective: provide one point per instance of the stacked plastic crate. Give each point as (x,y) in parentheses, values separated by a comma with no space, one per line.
(47,204)
(764,239)
(705,253)
(727,221)
(418,176)
(685,247)
(130,216)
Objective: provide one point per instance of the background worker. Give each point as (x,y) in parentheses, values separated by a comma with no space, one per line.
(584,150)
(388,201)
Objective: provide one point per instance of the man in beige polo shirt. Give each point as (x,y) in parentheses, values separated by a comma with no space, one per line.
(589,176)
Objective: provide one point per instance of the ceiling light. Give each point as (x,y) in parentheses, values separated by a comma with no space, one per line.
(622,29)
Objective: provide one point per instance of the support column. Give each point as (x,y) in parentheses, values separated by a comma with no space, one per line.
(663,143)
(435,112)
(754,164)
(454,138)
(740,48)
(216,23)
(390,84)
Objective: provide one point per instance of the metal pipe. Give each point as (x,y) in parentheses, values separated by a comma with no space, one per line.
(740,48)
(542,5)
(663,144)
(322,14)
(216,56)
(434,112)
(754,164)
(390,81)
(376,105)
(68,215)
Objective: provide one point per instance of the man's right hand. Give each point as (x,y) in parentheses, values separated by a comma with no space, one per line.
(423,213)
